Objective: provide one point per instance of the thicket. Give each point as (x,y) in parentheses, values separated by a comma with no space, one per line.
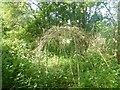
(25,30)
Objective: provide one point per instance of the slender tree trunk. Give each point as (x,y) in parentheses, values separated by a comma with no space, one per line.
(118,35)
(84,10)
(84,17)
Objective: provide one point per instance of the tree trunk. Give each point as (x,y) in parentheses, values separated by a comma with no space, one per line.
(118,35)
(84,10)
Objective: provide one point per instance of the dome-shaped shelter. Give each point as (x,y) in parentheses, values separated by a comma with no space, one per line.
(64,40)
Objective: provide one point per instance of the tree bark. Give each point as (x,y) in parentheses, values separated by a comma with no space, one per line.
(118,35)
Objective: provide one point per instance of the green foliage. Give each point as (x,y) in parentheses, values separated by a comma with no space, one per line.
(22,29)
(22,71)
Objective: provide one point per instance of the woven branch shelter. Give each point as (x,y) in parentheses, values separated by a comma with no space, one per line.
(64,39)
